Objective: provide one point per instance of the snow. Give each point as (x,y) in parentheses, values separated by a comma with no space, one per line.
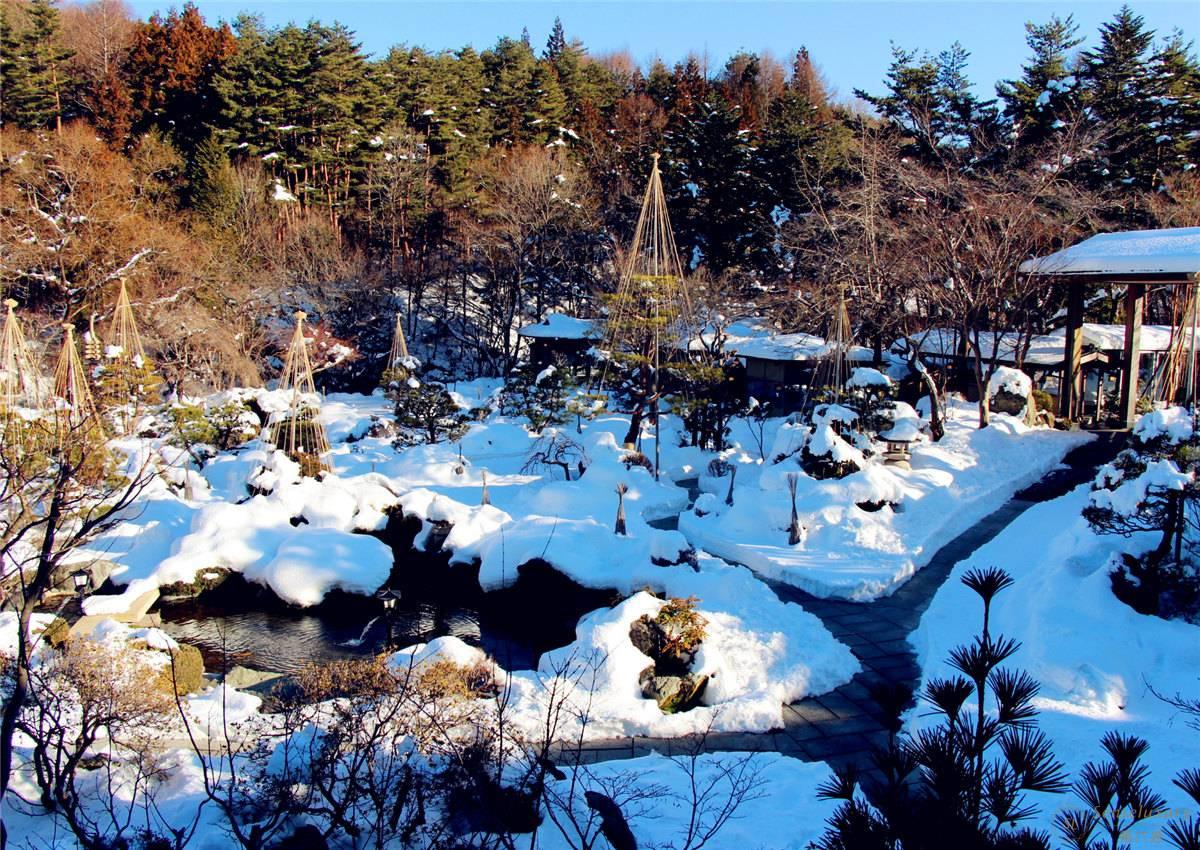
(865,377)
(1167,251)
(1095,657)
(906,430)
(1009,380)
(1046,350)
(1173,423)
(787,786)
(561,326)
(752,338)
(852,553)
(759,653)
(280,194)
(167,539)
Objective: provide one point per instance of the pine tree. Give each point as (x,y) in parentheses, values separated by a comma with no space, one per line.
(1046,93)
(508,70)
(213,191)
(1116,78)
(1175,107)
(719,200)
(556,44)
(546,107)
(9,49)
(248,88)
(36,76)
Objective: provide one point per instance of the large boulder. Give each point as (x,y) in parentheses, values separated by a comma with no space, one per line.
(1009,390)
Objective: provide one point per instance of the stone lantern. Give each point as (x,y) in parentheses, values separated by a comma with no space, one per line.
(899,439)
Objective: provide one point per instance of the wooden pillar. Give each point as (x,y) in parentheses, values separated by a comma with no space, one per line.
(1071,389)
(1130,366)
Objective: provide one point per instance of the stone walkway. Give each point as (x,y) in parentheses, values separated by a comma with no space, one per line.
(846,725)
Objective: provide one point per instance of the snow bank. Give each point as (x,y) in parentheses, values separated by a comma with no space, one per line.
(759,653)
(865,377)
(1096,658)
(785,813)
(851,551)
(302,539)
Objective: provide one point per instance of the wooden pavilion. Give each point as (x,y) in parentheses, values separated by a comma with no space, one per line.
(1135,259)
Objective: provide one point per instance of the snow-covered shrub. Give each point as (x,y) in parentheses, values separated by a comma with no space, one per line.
(539,395)
(428,413)
(827,453)
(396,375)
(1152,487)
(203,428)
(124,385)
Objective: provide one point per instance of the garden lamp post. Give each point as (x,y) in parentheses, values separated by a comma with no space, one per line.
(389,598)
(81,579)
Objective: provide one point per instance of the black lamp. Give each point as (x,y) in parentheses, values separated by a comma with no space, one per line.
(81,578)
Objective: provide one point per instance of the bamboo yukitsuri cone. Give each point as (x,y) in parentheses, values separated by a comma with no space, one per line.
(299,432)
(74,408)
(126,378)
(20,384)
(651,308)
(123,333)
(400,365)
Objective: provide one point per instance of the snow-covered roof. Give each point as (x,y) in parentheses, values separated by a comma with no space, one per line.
(561,326)
(1047,349)
(1169,251)
(751,338)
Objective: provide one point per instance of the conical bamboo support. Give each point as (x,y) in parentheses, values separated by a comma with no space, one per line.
(832,370)
(397,370)
(75,410)
(399,353)
(652,303)
(300,433)
(20,384)
(123,333)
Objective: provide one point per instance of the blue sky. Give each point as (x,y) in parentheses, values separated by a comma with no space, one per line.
(848,40)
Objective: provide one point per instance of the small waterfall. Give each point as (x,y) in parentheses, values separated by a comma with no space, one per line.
(358,641)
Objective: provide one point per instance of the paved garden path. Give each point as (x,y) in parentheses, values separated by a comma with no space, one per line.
(845,725)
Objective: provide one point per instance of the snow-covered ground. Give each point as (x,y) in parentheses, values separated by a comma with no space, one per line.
(854,553)
(758,652)
(302,537)
(1096,658)
(783,813)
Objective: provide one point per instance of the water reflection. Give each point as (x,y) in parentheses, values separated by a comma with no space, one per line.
(284,641)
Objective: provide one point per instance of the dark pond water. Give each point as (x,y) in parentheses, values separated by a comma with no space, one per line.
(239,623)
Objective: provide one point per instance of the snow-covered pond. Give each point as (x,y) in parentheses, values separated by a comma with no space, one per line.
(243,624)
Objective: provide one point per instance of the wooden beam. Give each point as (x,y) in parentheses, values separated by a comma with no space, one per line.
(1072,378)
(1156,278)
(1135,295)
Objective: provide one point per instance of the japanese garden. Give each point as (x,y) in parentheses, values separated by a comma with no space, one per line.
(536,445)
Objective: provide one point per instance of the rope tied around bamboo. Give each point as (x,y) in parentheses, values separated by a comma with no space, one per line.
(299,432)
(75,412)
(400,364)
(20,380)
(651,308)
(125,378)
(795,531)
